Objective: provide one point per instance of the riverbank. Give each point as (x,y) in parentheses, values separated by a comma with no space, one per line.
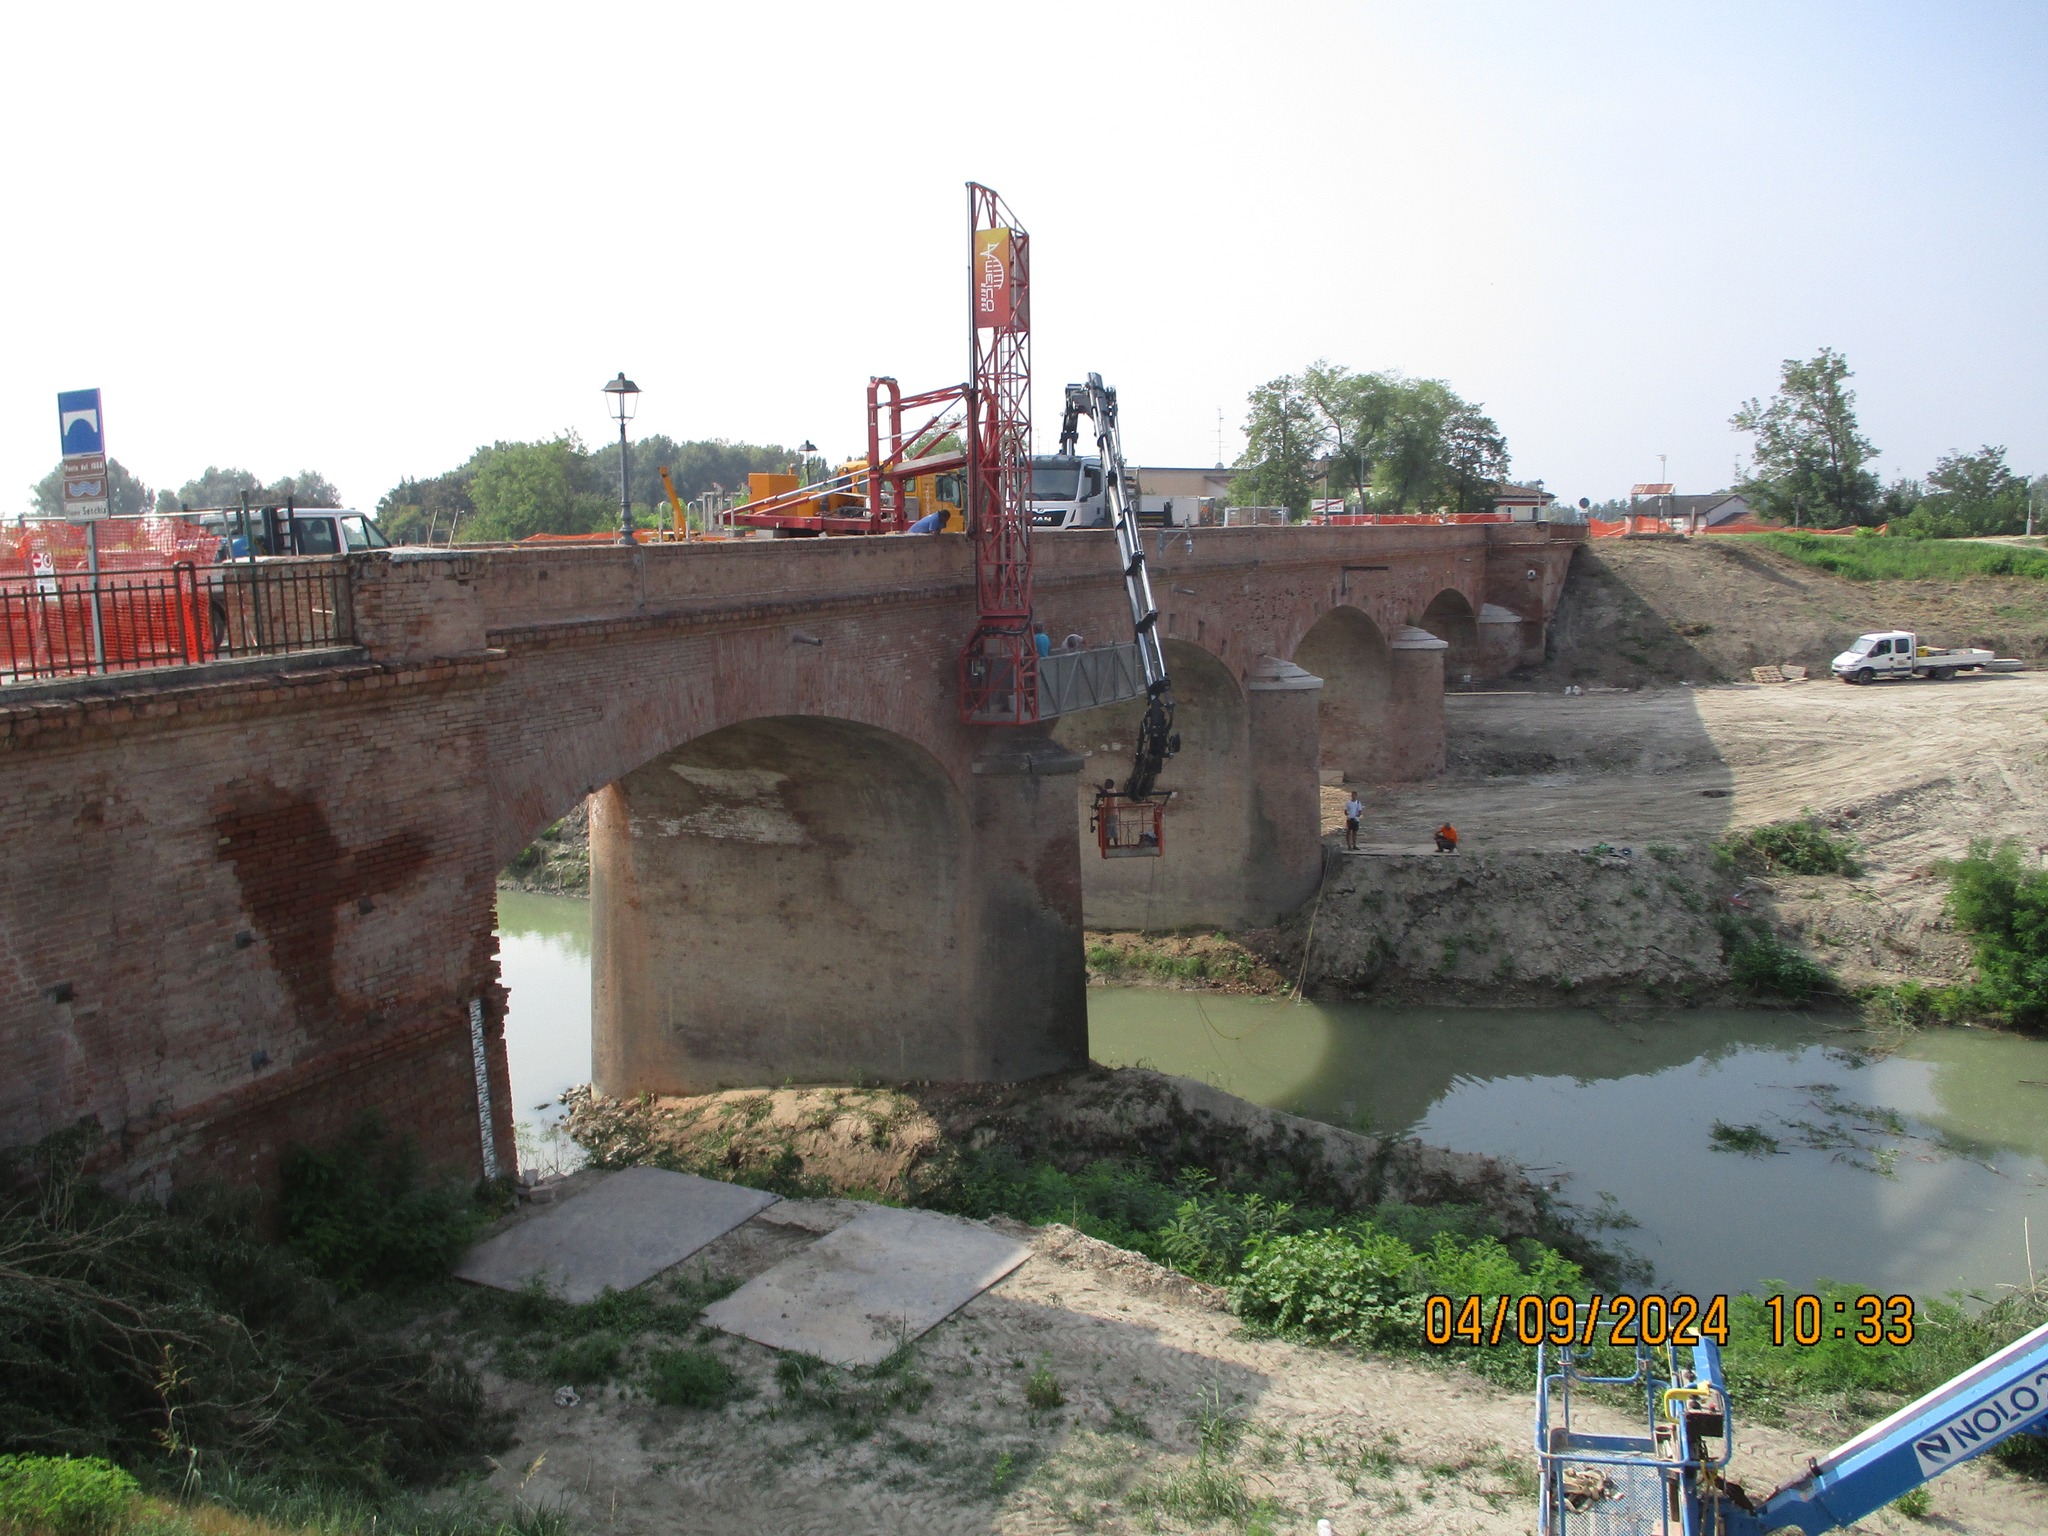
(940,1143)
(1225,1364)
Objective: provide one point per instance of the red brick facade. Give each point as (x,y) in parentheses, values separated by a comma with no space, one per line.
(236,911)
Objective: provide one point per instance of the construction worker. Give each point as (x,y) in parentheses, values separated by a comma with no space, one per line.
(1353,809)
(1447,838)
(931,522)
(1041,640)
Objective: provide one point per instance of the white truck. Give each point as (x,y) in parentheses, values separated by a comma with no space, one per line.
(1899,653)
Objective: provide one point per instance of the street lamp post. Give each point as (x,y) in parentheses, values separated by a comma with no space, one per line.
(803,461)
(623,396)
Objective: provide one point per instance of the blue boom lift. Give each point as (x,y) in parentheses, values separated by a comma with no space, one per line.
(1671,1482)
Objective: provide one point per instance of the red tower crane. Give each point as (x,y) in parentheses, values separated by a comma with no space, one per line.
(999,664)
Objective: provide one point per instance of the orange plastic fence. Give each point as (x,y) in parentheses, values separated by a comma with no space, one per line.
(148,618)
(126,544)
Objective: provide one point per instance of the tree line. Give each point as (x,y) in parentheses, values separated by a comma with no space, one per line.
(1392,443)
(1811,464)
(129,496)
(512,490)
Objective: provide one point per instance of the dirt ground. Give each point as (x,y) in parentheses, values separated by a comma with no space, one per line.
(1913,771)
(1708,609)
(1171,1418)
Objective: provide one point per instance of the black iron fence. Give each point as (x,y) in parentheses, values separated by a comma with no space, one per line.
(72,623)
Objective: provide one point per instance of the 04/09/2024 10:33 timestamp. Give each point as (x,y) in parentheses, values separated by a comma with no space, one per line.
(1628,1320)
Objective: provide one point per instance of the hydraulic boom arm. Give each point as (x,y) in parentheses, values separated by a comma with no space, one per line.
(1962,1418)
(1156,740)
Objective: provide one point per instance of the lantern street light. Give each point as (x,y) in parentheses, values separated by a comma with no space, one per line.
(803,461)
(623,396)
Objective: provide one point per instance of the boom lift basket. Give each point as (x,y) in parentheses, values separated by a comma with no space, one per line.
(1128,828)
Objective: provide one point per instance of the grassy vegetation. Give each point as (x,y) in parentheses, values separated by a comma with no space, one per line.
(1999,898)
(1872,557)
(1807,846)
(1180,960)
(533,1335)
(364,1214)
(154,1336)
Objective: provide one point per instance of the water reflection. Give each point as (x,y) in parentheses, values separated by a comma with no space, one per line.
(544,957)
(1626,1108)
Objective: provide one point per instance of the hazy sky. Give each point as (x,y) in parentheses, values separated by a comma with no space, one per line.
(366,238)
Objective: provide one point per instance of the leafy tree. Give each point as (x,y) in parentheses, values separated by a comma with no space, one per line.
(126,495)
(694,466)
(1475,459)
(2003,906)
(1899,500)
(1357,412)
(1411,473)
(413,510)
(1970,495)
(527,488)
(224,487)
(1808,463)
(308,488)
(1284,436)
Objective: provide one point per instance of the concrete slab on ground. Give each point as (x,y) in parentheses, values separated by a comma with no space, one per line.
(856,1294)
(620,1233)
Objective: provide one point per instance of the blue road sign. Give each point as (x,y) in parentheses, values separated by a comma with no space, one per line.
(79,423)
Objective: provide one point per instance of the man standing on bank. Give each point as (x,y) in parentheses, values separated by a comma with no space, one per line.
(1353,809)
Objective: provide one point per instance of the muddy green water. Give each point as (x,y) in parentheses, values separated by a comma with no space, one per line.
(1914,1171)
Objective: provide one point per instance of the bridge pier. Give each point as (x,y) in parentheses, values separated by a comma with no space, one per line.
(1243,841)
(811,900)
(1416,699)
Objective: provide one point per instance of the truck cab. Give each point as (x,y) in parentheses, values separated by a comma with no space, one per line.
(1066,492)
(1899,653)
(294,531)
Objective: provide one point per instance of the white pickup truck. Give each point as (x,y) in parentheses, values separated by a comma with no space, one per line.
(1899,653)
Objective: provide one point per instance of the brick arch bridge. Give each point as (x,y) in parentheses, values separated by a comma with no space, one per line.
(242,907)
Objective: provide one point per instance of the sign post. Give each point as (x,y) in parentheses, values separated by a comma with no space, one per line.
(82,431)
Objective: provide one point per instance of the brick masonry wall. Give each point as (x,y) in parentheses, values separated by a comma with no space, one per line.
(239,914)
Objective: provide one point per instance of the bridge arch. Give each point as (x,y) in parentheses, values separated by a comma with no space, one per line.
(1354,713)
(1205,823)
(783,896)
(1450,617)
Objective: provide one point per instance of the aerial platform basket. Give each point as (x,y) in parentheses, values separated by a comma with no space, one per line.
(1130,828)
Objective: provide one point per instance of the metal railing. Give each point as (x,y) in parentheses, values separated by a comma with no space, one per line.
(1070,681)
(73,624)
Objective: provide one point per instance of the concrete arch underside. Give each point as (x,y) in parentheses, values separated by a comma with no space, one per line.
(800,897)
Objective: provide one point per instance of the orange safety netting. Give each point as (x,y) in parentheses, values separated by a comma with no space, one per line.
(151,604)
(126,544)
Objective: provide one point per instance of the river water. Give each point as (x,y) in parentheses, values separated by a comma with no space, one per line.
(1914,1171)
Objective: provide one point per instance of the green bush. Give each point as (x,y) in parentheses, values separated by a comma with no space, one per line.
(63,1496)
(1765,963)
(134,1332)
(688,1378)
(2003,906)
(585,1361)
(363,1213)
(1802,847)
(1346,1285)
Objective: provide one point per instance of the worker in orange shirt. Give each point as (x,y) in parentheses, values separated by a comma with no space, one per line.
(1447,838)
